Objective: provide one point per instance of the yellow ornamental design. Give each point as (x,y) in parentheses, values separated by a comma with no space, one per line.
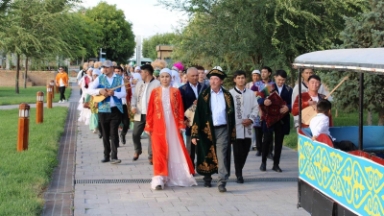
(353,181)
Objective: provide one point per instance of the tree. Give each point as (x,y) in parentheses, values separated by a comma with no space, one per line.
(83,34)
(34,28)
(117,40)
(243,34)
(149,45)
(365,30)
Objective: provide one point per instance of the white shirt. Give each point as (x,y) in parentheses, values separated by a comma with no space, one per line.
(144,100)
(194,88)
(320,125)
(219,116)
(93,90)
(315,98)
(279,89)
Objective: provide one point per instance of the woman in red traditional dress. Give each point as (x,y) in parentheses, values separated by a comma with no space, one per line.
(172,165)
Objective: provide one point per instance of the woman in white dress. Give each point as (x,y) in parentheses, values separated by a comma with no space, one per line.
(172,165)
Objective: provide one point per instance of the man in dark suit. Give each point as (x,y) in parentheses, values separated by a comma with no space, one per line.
(282,127)
(189,93)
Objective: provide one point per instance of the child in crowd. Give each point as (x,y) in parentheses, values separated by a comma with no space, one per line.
(320,123)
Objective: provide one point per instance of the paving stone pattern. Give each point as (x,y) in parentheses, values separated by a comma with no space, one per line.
(263,193)
(97,188)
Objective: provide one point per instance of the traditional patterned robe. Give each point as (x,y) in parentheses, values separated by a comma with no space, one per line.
(155,125)
(203,130)
(246,107)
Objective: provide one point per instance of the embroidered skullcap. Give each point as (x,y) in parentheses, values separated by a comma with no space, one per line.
(217,71)
(166,70)
(255,72)
(137,68)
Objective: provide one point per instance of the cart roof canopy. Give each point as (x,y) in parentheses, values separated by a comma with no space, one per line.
(359,60)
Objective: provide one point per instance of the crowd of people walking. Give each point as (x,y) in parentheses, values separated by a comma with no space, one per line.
(193,121)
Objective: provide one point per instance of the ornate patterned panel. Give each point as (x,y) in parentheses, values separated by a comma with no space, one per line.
(355,182)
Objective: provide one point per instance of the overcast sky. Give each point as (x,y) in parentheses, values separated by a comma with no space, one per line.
(147,16)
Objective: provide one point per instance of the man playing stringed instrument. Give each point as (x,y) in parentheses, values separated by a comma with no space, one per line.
(110,109)
(305,74)
(310,98)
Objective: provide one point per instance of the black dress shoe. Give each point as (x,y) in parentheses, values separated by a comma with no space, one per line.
(276,168)
(150,162)
(100,134)
(270,156)
(105,160)
(207,184)
(136,156)
(240,180)
(122,139)
(258,153)
(158,187)
(263,167)
(222,188)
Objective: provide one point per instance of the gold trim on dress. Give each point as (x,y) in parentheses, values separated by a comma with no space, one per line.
(195,129)
(207,130)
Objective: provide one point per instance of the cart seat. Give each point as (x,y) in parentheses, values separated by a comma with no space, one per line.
(373,136)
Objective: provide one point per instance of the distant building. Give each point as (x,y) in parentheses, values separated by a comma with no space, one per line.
(164,52)
(132,61)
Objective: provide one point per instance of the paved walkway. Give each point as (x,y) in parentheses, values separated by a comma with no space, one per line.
(82,185)
(124,189)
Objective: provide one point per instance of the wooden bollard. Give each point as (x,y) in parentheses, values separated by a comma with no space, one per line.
(39,107)
(52,83)
(23,132)
(49,96)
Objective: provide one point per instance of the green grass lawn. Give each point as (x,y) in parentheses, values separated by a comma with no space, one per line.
(25,175)
(28,95)
(343,119)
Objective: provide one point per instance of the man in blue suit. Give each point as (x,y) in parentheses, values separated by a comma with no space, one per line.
(280,128)
(189,93)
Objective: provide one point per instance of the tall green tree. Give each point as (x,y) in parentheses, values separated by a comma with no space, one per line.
(365,30)
(251,33)
(32,28)
(149,45)
(118,40)
(83,34)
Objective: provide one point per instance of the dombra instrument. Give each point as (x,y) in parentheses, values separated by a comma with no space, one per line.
(272,112)
(99,98)
(309,112)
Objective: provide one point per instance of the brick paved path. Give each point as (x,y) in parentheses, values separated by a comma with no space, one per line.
(123,189)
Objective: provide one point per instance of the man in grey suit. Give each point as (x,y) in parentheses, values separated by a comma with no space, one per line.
(139,103)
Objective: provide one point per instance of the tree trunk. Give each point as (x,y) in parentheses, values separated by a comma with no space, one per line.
(337,113)
(381,117)
(369,118)
(26,67)
(26,72)
(17,73)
